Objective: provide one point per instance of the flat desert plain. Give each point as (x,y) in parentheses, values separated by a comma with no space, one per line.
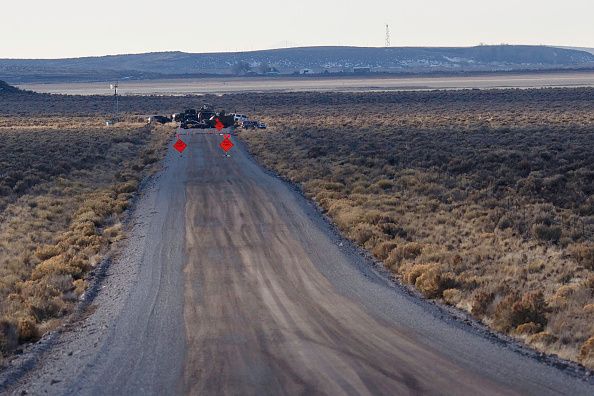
(222,85)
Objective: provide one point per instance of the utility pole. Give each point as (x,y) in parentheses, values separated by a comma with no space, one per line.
(116,101)
(387,36)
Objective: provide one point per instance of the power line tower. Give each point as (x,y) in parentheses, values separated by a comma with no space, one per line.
(387,35)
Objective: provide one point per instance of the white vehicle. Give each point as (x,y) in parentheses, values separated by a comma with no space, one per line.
(240,118)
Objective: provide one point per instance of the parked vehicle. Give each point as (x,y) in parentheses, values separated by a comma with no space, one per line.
(249,124)
(193,124)
(239,118)
(158,119)
(261,125)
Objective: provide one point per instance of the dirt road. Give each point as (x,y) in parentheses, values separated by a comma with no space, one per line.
(231,283)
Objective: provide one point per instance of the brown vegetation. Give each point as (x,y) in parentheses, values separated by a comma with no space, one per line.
(64,185)
(482,199)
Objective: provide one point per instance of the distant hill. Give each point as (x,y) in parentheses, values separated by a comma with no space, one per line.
(6,89)
(296,60)
(590,50)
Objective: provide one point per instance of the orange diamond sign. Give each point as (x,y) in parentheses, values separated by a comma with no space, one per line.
(219,125)
(180,145)
(226,145)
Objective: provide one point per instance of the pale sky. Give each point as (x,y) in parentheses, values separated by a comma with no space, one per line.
(72,28)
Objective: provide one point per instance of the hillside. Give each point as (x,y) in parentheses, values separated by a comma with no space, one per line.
(589,50)
(294,60)
(8,89)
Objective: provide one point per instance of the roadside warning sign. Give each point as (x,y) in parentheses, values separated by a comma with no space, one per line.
(180,145)
(219,125)
(226,144)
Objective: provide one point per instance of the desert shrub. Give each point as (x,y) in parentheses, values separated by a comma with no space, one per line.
(452,296)
(384,184)
(344,214)
(536,266)
(80,285)
(8,337)
(333,186)
(428,279)
(406,251)
(411,273)
(46,252)
(513,311)
(113,232)
(27,329)
(544,338)
(127,187)
(55,265)
(548,233)
(587,352)
(504,222)
(393,230)
(528,328)
(583,253)
(44,308)
(480,302)
(384,248)
(565,291)
(362,233)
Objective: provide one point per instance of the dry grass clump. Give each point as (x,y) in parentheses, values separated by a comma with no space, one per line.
(512,312)
(428,279)
(587,352)
(583,254)
(482,199)
(63,190)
